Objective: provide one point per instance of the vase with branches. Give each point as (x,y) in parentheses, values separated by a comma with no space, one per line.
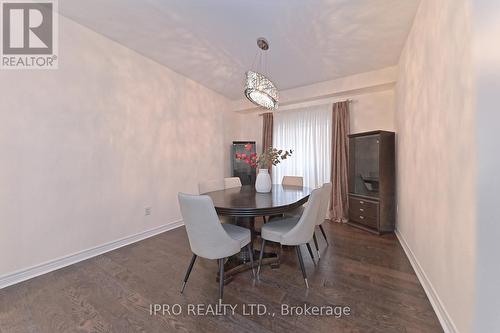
(269,157)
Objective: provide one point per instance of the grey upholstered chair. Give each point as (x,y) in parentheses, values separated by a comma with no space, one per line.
(208,238)
(210,185)
(323,209)
(214,185)
(292,181)
(232,182)
(289,231)
(297,212)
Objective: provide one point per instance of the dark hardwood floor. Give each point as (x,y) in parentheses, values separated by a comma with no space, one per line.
(113,292)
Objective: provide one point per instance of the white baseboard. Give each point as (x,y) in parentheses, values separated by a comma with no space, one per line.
(52,265)
(443,316)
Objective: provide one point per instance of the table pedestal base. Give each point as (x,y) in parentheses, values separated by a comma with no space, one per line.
(241,262)
(236,264)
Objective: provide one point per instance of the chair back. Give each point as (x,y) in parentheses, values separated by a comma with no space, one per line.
(325,203)
(210,185)
(303,231)
(292,181)
(232,182)
(207,237)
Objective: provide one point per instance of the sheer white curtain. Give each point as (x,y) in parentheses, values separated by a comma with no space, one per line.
(308,132)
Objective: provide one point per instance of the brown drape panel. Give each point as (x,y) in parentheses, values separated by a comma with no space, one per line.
(267,131)
(340,155)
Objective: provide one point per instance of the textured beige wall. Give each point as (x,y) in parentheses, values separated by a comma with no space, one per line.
(436,152)
(240,127)
(372,111)
(87,147)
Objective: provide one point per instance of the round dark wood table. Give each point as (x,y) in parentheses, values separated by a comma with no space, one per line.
(245,204)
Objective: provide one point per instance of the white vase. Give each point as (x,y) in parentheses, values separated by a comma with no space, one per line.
(263,181)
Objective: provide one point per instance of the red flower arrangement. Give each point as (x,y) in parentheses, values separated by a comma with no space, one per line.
(250,159)
(272,156)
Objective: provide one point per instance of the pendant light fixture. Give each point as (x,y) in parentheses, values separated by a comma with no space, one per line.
(258,88)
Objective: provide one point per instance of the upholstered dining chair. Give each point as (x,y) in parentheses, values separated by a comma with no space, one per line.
(208,238)
(210,185)
(296,213)
(323,209)
(232,182)
(289,231)
(292,181)
(214,185)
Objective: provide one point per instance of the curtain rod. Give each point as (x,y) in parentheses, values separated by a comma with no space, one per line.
(346,100)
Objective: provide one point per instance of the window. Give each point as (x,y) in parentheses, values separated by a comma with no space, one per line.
(308,132)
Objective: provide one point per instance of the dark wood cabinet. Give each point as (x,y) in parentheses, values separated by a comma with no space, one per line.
(372,180)
(240,169)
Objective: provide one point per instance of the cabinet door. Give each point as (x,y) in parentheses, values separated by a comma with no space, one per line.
(241,169)
(364,176)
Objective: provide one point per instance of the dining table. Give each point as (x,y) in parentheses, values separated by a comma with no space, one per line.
(244,204)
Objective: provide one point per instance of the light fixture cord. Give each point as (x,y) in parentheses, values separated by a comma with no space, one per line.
(254,59)
(264,67)
(260,63)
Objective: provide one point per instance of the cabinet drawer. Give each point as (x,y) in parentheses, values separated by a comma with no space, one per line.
(363,207)
(368,221)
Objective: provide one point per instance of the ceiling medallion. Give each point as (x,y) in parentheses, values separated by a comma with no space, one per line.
(258,88)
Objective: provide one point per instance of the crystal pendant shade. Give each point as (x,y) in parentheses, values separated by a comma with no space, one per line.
(261,91)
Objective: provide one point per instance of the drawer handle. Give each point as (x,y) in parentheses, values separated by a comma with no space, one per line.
(361,217)
(361,210)
(361,202)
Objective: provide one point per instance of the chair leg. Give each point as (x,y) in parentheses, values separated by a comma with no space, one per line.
(186,277)
(324,234)
(250,253)
(310,253)
(301,262)
(260,255)
(221,278)
(316,245)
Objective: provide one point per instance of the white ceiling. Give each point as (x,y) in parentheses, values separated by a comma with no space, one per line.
(214,41)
